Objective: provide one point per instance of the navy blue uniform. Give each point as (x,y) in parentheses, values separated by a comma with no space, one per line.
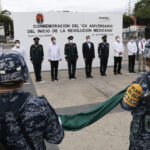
(140,125)
(38,117)
(103,53)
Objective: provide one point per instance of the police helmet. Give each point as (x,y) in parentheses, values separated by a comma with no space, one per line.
(147,50)
(12,67)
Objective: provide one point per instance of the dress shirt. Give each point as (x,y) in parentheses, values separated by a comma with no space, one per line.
(132,48)
(142,47)
(89,44)
(118,47)
(54,52)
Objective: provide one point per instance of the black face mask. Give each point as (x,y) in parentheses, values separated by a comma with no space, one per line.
(105,40)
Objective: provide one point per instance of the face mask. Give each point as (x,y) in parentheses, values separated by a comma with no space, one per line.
(132,41)
(89,40)
(118,39)
(54,41)
(143,40)
(71,41)
(17,45)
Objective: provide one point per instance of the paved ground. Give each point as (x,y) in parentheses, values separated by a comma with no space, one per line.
(70,97)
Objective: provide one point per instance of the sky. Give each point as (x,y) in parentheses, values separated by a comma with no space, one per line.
(70,5)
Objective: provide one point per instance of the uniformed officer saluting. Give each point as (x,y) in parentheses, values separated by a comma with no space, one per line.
(103,53)
(71,56)
(36,57)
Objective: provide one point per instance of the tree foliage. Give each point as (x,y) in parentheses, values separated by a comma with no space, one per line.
(7,22)
(142,12)
(127,21)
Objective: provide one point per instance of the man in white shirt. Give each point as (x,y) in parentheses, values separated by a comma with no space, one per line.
(18,48)
(54,58)
(118,54)
(142,59)
(132,50)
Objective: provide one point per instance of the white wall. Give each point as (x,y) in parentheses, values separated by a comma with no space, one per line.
(23,22)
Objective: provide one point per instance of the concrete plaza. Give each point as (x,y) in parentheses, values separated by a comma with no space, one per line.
(70,97)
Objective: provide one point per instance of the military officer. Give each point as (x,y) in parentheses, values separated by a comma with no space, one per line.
(103,53)
(36,57)
(137,100)
(71,56)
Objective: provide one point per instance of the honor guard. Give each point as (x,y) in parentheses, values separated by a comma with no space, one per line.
(71,56)
(36,57)
(103,53)
(137,100)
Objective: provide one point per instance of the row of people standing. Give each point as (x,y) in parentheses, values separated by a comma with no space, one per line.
(136,49)
(71,56)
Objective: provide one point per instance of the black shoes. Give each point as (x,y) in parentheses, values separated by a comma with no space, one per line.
(52,80)
(56,79)
(89,76)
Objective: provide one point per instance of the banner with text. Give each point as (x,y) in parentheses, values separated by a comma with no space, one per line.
(63,24)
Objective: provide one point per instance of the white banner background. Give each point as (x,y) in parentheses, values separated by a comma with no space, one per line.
(25,24)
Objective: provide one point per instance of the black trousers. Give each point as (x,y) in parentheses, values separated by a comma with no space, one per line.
(117,64)
(103,64)
(37,70)
(88,67)
(131,63)
(54,69)
(72,67)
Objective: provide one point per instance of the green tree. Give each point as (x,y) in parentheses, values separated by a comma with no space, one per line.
(127,21)
(7,22)
(142,12)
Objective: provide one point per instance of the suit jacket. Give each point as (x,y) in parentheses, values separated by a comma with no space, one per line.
(88,52)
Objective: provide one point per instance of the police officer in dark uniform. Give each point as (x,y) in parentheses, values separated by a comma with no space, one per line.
(71,56)
(103,53)
(36,57)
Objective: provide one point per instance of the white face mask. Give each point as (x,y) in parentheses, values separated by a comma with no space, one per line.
(17,45)
(118,39)
(132,41)
(89,40)
(54,41)
(71,41)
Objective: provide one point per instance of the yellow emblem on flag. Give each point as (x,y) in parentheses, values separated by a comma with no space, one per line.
(133,95)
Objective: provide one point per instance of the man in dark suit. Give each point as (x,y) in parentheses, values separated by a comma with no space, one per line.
(88,55)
